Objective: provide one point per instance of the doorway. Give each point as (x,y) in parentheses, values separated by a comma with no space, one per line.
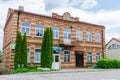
(56,60)
(79,59)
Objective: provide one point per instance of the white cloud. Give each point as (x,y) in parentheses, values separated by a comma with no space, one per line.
(88,4)
(76,7)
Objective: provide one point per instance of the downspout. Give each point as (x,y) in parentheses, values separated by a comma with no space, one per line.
(18,21)
(103,54)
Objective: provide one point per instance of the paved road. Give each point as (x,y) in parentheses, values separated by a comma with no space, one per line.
(97,75)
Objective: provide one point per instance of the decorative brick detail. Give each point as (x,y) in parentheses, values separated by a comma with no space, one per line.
(65,21)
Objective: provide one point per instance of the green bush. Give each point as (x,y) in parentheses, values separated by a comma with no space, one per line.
(108,63)
(24,70)
(32,67)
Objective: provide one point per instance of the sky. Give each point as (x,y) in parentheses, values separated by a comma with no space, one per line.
(101,12)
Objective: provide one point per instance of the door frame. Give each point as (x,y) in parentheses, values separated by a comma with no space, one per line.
(78,53)
(59,59)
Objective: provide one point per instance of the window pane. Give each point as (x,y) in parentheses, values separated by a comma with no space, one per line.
(41,32)
(65,35)
(27,31)
(66,56)
(39,26)
(89,36)
(23,30)
(55,32)
(25,24)
(28,55)
(56,58)
(37,56)
(37,32)
(97,57)
(89,56)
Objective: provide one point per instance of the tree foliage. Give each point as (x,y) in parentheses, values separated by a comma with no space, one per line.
(20,59)
(46,49)
(17,59)
(24,50)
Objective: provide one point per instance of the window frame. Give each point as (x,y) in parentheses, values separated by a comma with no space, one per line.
(41,28)
(56,30)
(80,33)
(68,32)
(25,28)
(89,36)
(97,37)
(28,55)
(89,57)
(39,56)
(68,55)
(98,56)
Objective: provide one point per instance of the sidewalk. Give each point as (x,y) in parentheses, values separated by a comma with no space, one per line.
(71,71)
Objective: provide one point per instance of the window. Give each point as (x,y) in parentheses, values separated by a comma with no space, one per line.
(97,57)
(55,32)
(89,36)
(37,56)
(79,35)
(89,57)
(28,55)
(118,46)
(39,30)
(67,33)
(114,46)
(66,56)
(25,27)
(97,37)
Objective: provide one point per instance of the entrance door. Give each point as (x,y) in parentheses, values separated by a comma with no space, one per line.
(56,61)
(79,59)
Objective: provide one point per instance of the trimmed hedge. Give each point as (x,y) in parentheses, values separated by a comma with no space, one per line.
(108,63)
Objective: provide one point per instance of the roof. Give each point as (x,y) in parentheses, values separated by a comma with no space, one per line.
(117,39)
(14,10)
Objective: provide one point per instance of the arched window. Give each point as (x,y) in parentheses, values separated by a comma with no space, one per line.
(25,27)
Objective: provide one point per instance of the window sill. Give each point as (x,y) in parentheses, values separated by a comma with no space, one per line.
(38,37)
(56,38)
(80,40)
(89,41)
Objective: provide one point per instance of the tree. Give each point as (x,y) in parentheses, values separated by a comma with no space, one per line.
(46,49)
(17,58)
(20,59)
(24,51)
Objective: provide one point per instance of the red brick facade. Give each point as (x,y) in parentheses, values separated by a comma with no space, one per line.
(16,17)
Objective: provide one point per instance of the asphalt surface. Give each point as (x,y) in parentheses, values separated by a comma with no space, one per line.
(75,75)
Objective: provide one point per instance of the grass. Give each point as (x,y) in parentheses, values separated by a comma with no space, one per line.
(24,70)
(30,69)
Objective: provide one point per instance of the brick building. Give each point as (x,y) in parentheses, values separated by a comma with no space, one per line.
(76,43)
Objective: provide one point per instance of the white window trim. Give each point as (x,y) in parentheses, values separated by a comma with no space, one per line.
(39,30)
(34,56)
(56,31)
(67,34)
(88,36)
(29,55)
(25,29)
(70,56)
(89,57)
(96,56)
(80,37)
(96,36)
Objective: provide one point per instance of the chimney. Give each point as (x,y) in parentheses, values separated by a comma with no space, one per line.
(21,8)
